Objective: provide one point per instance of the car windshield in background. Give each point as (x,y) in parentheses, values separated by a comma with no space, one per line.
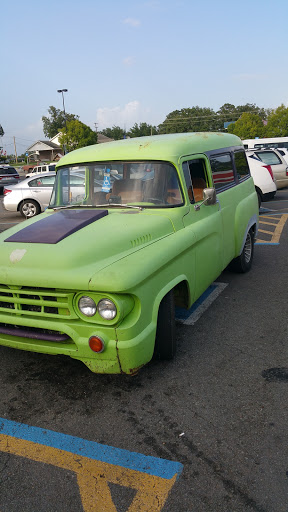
(268,157)
(8,170)
(144,184)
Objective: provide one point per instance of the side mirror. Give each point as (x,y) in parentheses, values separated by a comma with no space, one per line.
(209,198)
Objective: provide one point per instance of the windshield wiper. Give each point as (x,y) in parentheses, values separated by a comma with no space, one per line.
(118,205)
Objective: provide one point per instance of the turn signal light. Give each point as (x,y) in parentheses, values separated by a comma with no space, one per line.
(96,344)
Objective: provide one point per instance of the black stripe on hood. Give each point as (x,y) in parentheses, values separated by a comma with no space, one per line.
(53,228)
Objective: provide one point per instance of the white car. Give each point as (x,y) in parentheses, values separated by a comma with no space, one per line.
(30,196)
(40,169)
(263,178)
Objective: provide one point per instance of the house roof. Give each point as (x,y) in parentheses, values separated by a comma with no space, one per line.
(102,138)
(41,145)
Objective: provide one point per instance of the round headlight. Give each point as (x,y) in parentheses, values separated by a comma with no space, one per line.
(87,306)
(107,309)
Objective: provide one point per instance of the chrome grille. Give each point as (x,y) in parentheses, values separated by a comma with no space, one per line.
(38,302)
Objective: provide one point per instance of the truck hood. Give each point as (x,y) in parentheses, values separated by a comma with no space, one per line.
(64,249)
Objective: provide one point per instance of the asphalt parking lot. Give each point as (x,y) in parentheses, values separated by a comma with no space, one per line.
(206,432)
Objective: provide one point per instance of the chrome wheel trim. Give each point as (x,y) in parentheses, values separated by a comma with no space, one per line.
(29,209)
(248,248)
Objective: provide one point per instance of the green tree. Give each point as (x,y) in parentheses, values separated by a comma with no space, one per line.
(194,119)
(77,135)
(248,126)
(277,124)
(229,112)
(115,132)
(56,121)
(1,131)
(142,130)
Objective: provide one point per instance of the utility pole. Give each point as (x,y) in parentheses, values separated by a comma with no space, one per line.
(15,150)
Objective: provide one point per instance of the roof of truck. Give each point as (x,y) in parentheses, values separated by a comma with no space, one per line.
(156,147)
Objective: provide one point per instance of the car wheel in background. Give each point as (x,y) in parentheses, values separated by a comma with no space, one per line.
(29,208)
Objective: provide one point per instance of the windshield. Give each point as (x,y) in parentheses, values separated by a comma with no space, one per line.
(144,184)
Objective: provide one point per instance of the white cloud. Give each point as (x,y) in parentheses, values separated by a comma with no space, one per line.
(132,22)
(128,61)
(125,117)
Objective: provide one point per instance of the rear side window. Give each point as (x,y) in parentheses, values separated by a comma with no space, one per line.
(241,164)
(222,171)
(268,157)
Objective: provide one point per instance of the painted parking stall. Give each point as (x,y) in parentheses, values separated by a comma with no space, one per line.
(95,465)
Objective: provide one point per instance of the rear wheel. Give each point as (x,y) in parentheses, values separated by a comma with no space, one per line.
(243,263)
(165,344)
(29,208)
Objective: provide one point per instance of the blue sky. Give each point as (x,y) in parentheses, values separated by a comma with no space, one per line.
(135,61)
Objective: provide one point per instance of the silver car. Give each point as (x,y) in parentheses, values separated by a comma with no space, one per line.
(278,164)
(30,196)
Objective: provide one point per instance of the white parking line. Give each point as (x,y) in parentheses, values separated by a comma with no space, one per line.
(191,316)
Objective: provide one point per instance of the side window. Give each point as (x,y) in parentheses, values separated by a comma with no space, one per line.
(196,178)
(47,181)
(241,164)
(33,183)
(222,171)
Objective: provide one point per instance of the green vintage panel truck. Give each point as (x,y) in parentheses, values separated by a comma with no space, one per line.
(133,228)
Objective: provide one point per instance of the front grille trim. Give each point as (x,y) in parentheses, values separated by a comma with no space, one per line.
(37,302)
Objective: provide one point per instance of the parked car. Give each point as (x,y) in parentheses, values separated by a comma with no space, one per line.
(40,169)
(30,196)
(8,176)
(263,178)
(283,152)
(278,164)
(28,167)
(96,276)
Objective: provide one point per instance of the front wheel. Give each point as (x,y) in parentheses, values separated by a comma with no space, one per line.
(243,263)
(29,208)
(165,344)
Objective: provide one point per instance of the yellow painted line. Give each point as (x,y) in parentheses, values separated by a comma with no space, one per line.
(264,231)
(279,228)
(276,233)
(269,217)
(268,223)
(94,476)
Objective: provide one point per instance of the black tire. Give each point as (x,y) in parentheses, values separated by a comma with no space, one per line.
(165,343)
(243,263)
(29,208)
(259,198)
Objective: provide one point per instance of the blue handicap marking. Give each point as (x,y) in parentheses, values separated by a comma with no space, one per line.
(107,181)
(96,465)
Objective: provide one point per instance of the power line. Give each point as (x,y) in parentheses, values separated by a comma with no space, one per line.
(199,118)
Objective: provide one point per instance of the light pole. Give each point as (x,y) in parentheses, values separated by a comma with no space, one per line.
(62,91)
